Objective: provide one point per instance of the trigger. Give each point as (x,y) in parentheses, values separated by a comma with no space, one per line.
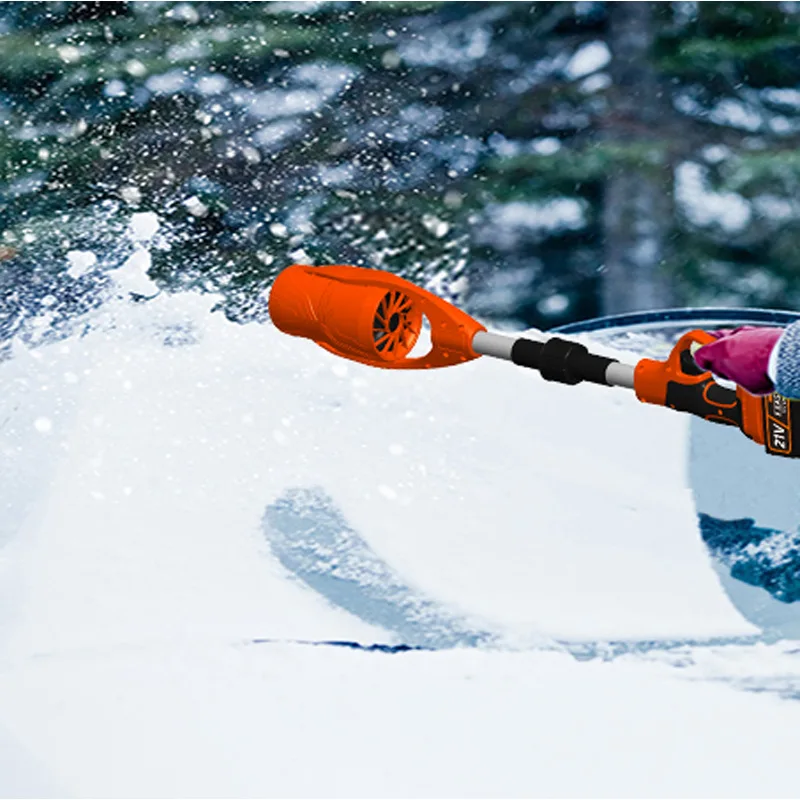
(688,364)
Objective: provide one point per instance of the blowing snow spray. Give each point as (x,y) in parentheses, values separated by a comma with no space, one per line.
(375,318)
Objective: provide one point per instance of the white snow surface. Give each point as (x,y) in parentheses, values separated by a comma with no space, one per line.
(135,577)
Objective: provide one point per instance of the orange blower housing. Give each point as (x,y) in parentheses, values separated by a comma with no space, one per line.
(370,316)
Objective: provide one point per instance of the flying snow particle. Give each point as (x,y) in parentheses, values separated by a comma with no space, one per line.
(144,225)
(115,88)
(251,155)
(132,275)
(279,230)
(136,68)
(438,227)
(264,257)
(131,195)
(185,12)
(69,54)
(80,262)
(391,59)
(196,207)
(43,425)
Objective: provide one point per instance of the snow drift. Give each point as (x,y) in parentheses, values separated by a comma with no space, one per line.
(147,466)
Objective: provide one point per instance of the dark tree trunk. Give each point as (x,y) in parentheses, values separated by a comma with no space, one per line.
(637,208)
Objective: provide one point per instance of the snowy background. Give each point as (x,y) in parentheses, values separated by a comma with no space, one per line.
(233,564)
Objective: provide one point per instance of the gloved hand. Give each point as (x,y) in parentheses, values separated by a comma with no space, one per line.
(741,355)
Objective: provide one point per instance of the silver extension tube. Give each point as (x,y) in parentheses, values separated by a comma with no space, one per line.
(498,345)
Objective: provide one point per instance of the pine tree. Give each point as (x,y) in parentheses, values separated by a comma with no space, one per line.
(564,158)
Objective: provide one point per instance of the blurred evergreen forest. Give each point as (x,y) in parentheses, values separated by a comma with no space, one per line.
(538,162)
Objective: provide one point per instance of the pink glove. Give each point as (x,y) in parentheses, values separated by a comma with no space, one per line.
(741,355)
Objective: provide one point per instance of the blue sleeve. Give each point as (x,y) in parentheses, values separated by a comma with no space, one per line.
(787,371)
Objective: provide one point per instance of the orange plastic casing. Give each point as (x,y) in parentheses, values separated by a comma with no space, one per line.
(655,380)
(339,308)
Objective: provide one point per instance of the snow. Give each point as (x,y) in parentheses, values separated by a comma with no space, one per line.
(716,153)
(209,85)
(144,226)
(195,206)
(271,135)
(727,112)
(132,195)
(546,146)
(80,262)
(554,304)
(115,88)
(275,103)
(509,222)
(170,82)
(132,275)
(736,114)
(596,82)
(589,58)
(302,722)
(449,48)
(782,96)
(43,425)
(706,208)
(69,54)
(775,208)
(136,579)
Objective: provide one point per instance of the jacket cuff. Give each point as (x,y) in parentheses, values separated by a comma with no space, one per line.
(784,363)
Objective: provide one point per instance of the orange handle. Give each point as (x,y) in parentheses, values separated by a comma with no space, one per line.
(651,378)
(370,316)
(680,384)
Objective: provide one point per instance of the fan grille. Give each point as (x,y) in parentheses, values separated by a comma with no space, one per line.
(393,327)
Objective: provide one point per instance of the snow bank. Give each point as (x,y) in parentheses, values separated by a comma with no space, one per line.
(135,576)
(535,508)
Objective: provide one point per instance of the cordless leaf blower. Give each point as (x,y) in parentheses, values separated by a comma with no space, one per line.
(376,318)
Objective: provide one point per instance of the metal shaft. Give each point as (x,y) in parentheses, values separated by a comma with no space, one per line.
(531,351)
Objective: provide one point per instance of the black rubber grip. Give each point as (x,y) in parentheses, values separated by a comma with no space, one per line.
(561,360)
(706,399)
(525,353)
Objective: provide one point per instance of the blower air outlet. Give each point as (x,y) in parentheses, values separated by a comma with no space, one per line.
(393,328)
